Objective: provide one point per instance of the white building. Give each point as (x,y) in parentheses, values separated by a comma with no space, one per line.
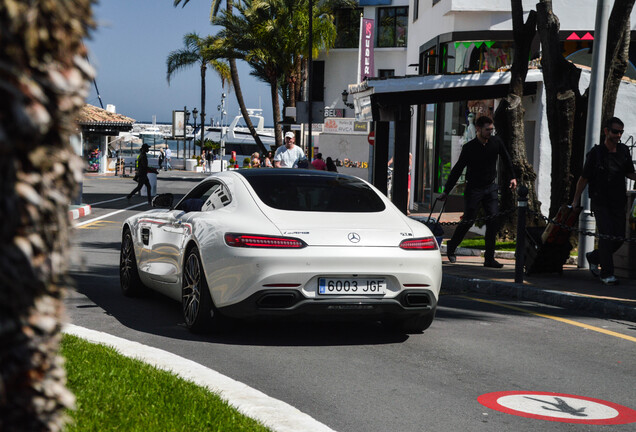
(448,40)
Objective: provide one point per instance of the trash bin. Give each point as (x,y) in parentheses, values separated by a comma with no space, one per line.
(152,178)
(625,257)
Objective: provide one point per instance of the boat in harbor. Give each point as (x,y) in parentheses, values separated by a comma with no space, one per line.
(238,137)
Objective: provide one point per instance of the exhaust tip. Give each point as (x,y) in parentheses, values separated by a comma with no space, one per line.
(276,301)
(417,300)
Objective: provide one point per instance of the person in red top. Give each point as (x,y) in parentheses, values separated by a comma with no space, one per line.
(319,163)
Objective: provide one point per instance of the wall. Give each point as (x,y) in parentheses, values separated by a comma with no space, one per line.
(341,146)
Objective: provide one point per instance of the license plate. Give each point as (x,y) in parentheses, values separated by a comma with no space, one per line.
(354,286)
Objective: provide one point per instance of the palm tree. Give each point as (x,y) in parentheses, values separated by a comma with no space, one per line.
(193,53)
(214,9)
(272,37)
(43,84)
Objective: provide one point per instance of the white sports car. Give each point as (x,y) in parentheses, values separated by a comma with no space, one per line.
(284,242)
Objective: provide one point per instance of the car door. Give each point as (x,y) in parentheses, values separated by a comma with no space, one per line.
(170,231)
(162,236)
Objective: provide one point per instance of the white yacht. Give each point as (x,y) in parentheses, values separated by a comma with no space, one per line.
(239,138)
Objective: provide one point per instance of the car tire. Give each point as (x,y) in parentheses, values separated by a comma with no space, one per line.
(411,325)
(129,280)
(199,312)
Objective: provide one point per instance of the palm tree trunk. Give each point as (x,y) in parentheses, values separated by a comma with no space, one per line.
(204,67)
(43,85)
(273,85)
(241,102)
(239,96)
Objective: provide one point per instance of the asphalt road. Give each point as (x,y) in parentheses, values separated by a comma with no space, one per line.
(358,376)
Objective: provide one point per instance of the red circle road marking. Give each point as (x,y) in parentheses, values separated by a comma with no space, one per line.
(604,412)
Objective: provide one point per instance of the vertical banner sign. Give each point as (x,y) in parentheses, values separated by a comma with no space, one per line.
(365,55)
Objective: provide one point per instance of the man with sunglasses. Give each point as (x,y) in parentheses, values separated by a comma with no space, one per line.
(605,169)
(479,157)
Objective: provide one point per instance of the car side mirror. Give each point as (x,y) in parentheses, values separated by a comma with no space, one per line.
(163,200)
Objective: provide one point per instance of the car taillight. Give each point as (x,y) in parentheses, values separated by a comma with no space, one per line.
(425,243)
(261,241)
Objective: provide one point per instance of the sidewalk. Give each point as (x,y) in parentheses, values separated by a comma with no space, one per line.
(575,288)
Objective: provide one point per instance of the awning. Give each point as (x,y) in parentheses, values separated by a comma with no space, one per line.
(375,95)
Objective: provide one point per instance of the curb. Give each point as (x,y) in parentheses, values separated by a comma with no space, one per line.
(459,285)
(78,211)
(275,414)
(460,251)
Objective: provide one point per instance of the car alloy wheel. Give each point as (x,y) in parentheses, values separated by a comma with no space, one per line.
(198,311)
(191,289)
(129,280)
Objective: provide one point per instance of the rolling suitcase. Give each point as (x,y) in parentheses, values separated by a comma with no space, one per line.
(433,223)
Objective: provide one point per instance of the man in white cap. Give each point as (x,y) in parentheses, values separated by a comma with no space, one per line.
(287,156)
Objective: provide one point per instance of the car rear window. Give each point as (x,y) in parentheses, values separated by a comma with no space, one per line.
(316,193)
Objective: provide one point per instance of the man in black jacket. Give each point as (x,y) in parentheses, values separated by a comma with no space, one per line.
(605,169)
(479,157)
(142,173)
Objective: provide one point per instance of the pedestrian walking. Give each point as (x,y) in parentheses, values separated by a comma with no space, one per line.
(168,158)
(319,163)
(208,160)
(479,157)
(287,156)
(267,161)
(606,166)
(162,157)
(142,173)
(331,166)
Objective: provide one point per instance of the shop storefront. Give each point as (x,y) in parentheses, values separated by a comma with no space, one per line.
(99,127)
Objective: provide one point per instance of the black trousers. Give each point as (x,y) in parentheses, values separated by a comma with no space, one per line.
(610,220)
(141,182)
(488,198)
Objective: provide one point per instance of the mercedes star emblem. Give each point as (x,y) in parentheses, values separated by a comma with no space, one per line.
(353,237)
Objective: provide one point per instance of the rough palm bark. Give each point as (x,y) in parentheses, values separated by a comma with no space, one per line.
(618,40)
(43,83)
(510,117)
(564,104)
(237,89)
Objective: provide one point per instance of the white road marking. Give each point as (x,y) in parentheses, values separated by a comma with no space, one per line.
(273,413)
(109,214)
(107,201)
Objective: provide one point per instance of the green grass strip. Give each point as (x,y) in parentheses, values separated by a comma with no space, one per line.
(480,243)
(116,393)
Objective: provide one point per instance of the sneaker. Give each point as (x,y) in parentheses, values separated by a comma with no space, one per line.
(593,267)
(493,263)
(610,280)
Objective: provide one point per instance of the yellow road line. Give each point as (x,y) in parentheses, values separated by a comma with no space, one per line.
(552,317)
(95,224)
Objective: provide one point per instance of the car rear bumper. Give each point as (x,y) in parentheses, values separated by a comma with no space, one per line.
(292,303)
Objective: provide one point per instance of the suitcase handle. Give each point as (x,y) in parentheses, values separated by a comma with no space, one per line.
(433,208)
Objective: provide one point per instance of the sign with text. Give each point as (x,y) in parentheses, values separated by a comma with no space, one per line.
(345,125)
(334,112)
(178,123)
(365,56)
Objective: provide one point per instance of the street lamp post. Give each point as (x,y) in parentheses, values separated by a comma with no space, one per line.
(194,132)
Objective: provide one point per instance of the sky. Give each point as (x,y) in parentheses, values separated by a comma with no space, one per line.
(129,49)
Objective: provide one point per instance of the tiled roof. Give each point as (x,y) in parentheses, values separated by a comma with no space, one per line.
(92,115)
